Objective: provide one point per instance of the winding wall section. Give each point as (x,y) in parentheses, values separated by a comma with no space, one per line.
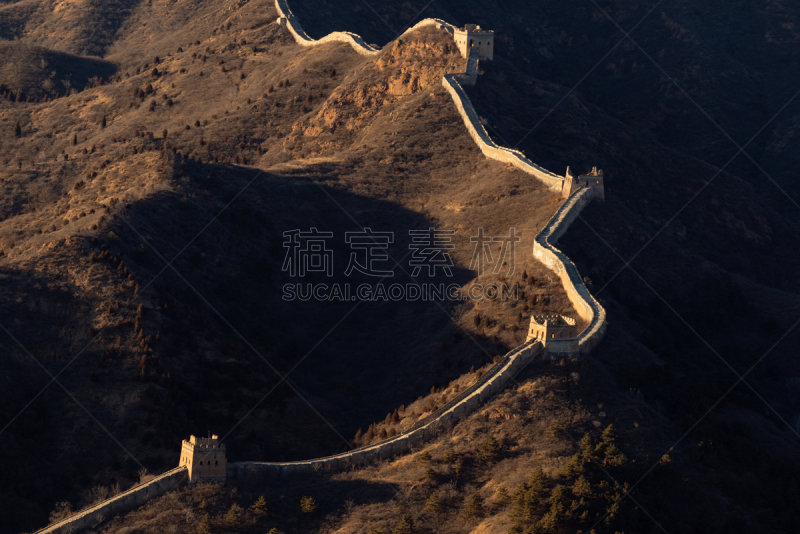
(544,248)
(545,251)
(494,380)
(489,385)
(127,500)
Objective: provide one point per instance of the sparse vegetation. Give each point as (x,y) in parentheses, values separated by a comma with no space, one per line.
(396,159)
(308,505)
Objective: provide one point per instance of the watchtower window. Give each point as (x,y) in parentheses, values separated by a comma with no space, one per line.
(216,462)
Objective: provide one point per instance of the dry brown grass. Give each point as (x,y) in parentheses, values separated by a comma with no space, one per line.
(375,496)
(381,137)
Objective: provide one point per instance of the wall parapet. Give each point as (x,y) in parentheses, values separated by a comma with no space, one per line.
(288,19)
(494,380)
(487,146)
(452,83)
(545,251)
(127,500)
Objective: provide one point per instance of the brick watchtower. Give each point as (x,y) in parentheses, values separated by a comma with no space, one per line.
(205,459)
(558,334)
(593,180)
(472,36)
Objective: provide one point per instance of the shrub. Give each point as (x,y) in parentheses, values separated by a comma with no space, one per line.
(308,505)
(232,521)
(260,505)
(62,511)
(450,456)
(424,458)
(489,450)
(473,508)
(405,526)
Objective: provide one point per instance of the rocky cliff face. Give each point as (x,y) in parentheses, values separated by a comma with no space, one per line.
(407,68)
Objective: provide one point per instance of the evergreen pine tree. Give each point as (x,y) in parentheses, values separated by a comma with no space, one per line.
(473,508)
(434,504)
(489,450)
(260,505)
(17,130)
(232,521)
(405,526)
(450,456)
(205,525)
(502,497)
(103,122)
(308,505)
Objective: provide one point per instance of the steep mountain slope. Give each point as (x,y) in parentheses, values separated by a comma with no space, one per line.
(711,292)
(700,80)
(202,155)
(395,156)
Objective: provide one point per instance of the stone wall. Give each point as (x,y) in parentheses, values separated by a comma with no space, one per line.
(489,385)
(451,81)
(127,500)
(488,147)
(287,18)
(545,251)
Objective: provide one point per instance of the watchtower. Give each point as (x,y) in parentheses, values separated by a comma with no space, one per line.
(593,179)
(472,36)
(556,332)
(205,459)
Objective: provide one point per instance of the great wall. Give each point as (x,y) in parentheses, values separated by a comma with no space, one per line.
(579,191)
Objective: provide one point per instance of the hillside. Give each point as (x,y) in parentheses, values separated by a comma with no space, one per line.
(142,221)
(107,184)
